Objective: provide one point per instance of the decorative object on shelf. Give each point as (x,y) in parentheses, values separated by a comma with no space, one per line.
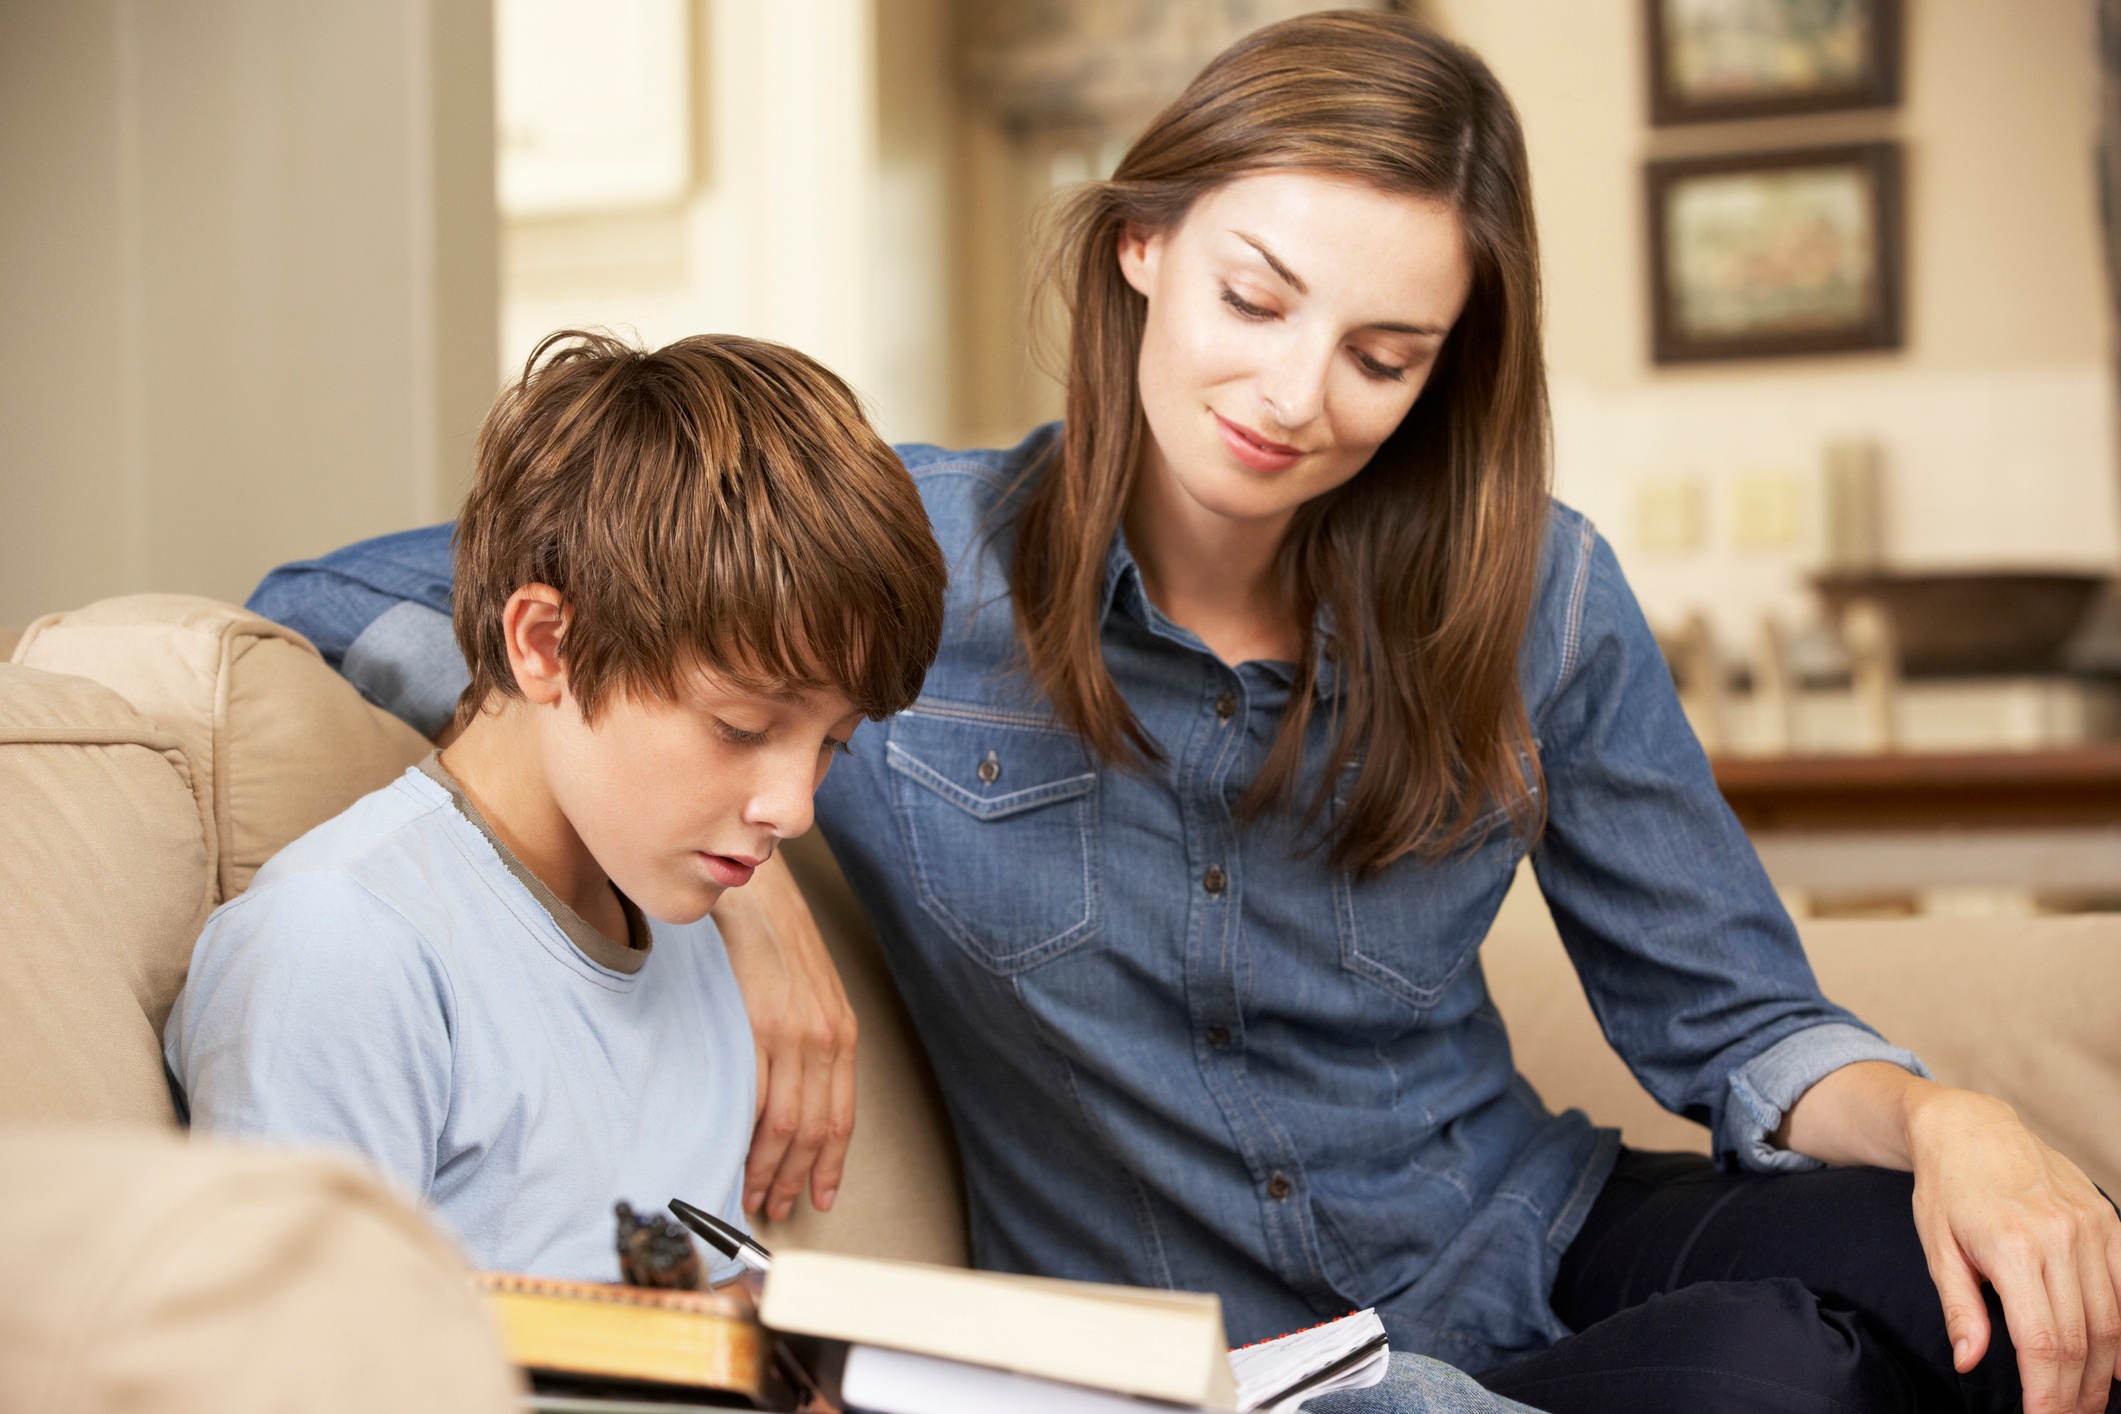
(1874,672)
(1774,695)
(1854,477)
(1770,253)
(1718,59)
(1975,623)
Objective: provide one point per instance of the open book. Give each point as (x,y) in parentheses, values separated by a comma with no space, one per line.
(1280,1374)
(938,1340)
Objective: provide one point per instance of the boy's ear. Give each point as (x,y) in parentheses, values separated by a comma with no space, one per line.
(533,622)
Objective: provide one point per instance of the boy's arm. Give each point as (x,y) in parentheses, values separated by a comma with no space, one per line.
(314,1014)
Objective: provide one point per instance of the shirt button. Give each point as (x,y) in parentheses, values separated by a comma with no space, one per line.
(1279,1187)
(1214,881)
(1218,1036)
(1225,707)
(990,769)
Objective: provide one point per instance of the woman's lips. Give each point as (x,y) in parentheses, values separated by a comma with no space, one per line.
(728,871)
(1256,452)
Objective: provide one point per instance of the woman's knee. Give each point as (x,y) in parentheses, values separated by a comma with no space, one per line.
(1770,1345)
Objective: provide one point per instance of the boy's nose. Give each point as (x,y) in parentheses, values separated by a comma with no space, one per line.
(784,802)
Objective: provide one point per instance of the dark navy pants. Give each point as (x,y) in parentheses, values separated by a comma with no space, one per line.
(1695,1290)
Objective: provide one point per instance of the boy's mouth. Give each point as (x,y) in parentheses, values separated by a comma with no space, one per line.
(729,870)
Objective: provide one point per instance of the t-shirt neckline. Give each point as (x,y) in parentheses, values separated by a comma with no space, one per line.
(592,944)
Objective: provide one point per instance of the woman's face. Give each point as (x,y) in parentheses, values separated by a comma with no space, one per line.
(1293,318)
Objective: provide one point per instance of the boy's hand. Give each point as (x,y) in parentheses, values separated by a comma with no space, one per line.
(805,1034)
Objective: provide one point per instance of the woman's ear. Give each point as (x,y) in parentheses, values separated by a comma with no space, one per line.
(533,622)
(1141,252)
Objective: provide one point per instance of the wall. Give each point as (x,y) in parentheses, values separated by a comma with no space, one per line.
(818,216)
(1995,420)
(247,274)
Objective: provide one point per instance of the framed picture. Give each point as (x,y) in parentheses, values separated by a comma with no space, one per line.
(1769,253)
(1712,59)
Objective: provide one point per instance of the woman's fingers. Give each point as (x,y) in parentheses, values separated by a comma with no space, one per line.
(2112,1223)
(1959,1288)
(832,1161)
(2102,1324)
(2037,1329)
(812,1067)
(2070,1343)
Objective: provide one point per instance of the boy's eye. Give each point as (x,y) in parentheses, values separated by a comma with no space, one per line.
(1243,306)
(737,736)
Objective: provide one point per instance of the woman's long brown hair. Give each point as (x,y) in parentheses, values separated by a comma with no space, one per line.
(1425,564)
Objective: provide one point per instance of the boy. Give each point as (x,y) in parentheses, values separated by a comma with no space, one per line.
(683,578)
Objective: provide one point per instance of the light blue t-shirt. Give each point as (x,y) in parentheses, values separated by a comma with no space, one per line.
(392,986)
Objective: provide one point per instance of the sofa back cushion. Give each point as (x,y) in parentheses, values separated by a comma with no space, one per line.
(2020,1008)
(104,881)
(278,742)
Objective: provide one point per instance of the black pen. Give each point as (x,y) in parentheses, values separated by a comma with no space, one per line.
(732,1242)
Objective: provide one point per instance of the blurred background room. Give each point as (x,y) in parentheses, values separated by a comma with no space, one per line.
(1829,320)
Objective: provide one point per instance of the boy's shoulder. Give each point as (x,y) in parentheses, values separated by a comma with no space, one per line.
(381,859)
(367,837)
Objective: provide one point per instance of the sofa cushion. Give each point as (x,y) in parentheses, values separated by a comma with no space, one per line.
(139,1272)
(2021,1008)
(278,741)
(104,882)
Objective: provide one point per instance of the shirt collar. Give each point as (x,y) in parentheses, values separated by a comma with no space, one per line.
(1126,596)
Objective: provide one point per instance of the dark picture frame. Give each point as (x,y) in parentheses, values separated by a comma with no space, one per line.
(1767,254)
(1712,60)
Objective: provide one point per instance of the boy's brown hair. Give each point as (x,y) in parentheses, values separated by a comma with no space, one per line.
(718,503)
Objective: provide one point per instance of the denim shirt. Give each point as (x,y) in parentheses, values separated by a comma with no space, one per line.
(1178,1047)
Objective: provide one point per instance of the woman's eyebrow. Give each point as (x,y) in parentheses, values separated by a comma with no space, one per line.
(1295,282)
(1290,277)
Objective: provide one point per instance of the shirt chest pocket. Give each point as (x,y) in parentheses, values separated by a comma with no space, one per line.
(1413,929)
(1000,826)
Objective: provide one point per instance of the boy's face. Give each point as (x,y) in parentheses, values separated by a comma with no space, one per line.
(677,801)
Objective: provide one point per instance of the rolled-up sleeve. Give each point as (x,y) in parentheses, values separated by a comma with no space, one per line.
(1762,1090)
(1689,960)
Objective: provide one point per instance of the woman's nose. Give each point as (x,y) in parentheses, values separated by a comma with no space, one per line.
(1294,386)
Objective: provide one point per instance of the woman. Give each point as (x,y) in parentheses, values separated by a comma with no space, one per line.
(1261,675)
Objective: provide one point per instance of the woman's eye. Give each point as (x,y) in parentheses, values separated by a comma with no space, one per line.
(1243,306)
(737,736)
(1383,372)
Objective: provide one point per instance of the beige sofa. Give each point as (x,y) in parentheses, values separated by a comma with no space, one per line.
(170,745)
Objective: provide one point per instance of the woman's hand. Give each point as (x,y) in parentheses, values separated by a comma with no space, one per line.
(1994,1203)
(805,1034)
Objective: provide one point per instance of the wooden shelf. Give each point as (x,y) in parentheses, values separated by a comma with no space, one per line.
(2080,786)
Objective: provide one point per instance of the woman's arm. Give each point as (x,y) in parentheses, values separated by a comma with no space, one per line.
(1991,1203)
(805,1033)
